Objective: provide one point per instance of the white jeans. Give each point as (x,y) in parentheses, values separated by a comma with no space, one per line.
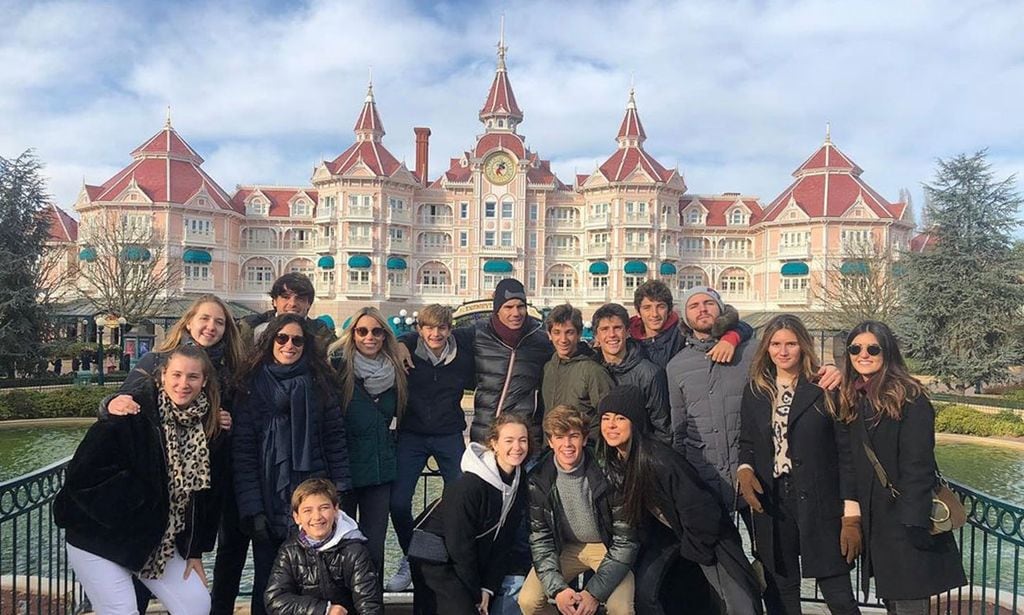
(109,586)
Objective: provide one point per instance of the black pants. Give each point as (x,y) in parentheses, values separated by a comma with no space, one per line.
(232,550)
(785,579)
(435,584)
(263,555)
(369,506)
(665,580)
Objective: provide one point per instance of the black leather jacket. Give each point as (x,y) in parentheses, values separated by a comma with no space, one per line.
(303,580)
(546,532)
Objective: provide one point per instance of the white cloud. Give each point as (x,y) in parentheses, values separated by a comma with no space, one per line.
(737,94)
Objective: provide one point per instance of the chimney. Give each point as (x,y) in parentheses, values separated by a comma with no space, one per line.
(422,153)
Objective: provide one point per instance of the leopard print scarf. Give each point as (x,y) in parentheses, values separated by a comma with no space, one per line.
(188,471)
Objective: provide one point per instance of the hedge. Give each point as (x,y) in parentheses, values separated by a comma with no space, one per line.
(995,402)
(958,419)
(63,379)
(76,401)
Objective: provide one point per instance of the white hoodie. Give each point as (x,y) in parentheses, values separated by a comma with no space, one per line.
(345,528)
(479,460)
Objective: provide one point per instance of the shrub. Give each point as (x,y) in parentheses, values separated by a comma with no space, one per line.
(957,419)
(76,401)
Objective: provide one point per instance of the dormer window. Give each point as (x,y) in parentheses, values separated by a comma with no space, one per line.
(693,217)
(736,217)
(300,208)
(256,207)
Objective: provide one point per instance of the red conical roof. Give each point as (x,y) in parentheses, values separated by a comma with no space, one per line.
(631,128)
(368,125)
(501,102)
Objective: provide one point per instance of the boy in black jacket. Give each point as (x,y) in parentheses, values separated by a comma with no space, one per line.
(329,543)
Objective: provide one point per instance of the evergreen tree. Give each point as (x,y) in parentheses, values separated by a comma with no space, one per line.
(963,296)
(23,230)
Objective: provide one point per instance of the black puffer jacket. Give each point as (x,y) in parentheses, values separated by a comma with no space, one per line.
(115,503)
(546,531)
(636,369)
(435,391)
(304,579)
(521,367)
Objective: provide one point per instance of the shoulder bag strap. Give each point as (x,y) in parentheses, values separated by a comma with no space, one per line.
(875,463)
(427,516)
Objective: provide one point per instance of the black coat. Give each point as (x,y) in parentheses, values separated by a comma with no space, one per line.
(435,392)
(252,450)
(906,449)
(521,368)
(303,580)
(822,473)
(115,502)
(635,368)
(546,531)
(470,507)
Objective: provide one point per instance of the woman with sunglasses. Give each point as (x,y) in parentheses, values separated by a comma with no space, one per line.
(373,395)
(136,500)
(796,473)
(288,427)
(889,413)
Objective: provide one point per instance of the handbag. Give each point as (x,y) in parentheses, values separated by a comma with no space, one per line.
(427,547)
(947,513)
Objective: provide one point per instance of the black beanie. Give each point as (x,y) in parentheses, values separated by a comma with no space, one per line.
(507,290)
(627,400)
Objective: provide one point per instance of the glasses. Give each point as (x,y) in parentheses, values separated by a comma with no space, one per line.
(375,332)
(282,338)
(873,349)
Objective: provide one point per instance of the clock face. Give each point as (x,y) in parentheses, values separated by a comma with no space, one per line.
(500,169)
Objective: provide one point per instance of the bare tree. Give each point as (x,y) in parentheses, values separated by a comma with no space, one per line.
(864,286)
(125,272)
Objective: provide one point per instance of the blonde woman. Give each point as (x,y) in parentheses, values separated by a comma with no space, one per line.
(796,473)
(373,396)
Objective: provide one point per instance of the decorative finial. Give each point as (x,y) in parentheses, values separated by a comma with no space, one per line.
(632,98)
(828,132)
(167,124)
(369,85)
(501,45)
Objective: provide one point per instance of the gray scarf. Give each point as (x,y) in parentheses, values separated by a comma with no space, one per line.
(378,374)
(447,354)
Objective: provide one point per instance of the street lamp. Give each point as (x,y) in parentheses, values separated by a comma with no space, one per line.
(100,321)
(111,322)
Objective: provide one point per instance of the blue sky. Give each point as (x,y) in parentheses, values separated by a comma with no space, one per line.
(736,94)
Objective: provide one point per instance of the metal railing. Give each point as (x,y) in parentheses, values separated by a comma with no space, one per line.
(35,577)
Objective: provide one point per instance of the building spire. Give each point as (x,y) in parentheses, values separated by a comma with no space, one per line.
(828,132)
(500,110)
(167,124)
(368,126)
(631,131)
(502,49)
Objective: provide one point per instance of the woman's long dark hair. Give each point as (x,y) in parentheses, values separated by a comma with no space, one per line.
(325,378)
(890,388)
(631,474)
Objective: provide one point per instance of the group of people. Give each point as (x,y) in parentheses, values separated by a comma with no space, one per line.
(617,473)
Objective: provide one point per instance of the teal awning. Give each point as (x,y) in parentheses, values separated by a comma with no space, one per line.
(136,253)
(87,254)
(397,263)
(599,268)
(497,267)
(197,257)
(635,267)
(792,269)
(667,268)
(326,262)
(854,268)
(359,261)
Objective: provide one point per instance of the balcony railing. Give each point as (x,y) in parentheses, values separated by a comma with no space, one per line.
(563,223)
(441,220)
(359,241)
(325,244)
(559,292)
(360,211)
(795,251)
(800,296)
(359,288)
(298,244)
(562,251)
(400,216)
(434,248)
(251,286)
(324,214)
(854,247)
(259,245)
(399,245)
(434,289)
(202,238)
(197,283)
(637,248)
(597,220)
(637,218)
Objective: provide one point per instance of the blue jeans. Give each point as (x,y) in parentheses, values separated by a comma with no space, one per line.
(413,451)
(507,600)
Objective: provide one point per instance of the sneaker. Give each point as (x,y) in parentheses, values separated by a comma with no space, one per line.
(402,579)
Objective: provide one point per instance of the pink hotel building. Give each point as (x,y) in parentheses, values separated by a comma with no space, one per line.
(368,230)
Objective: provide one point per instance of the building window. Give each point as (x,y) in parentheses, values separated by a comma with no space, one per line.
(489,239)
(463,280)
(532,240)
(600,210)
(490,209)
(733,282)
(689,279)
(463,239)
(302,266)
(259,275)
(599,282)
(531,281)
(506,209)
(256,207)
(490,280)
(199,227)
(694,217)
(736,217)
(633,281)
(197,273)
(506,239)
(396,233)
(533,212)
(794,284)
(464,210)
(397,278)
(434,276)
(300,208)
(359,276)
(599,240)
(691,244)
(794,239)
(561,277)
(327,278)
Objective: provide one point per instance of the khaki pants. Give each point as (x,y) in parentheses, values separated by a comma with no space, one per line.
(574,559)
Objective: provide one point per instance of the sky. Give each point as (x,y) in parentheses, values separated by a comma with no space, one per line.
(735,94)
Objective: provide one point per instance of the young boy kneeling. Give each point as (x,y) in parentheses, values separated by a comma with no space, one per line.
(329,544)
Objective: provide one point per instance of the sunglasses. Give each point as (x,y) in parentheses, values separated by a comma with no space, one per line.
(873,349)
(282,338)
(375,332)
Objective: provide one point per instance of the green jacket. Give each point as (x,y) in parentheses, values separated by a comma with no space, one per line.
(371,443)
(580,382)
